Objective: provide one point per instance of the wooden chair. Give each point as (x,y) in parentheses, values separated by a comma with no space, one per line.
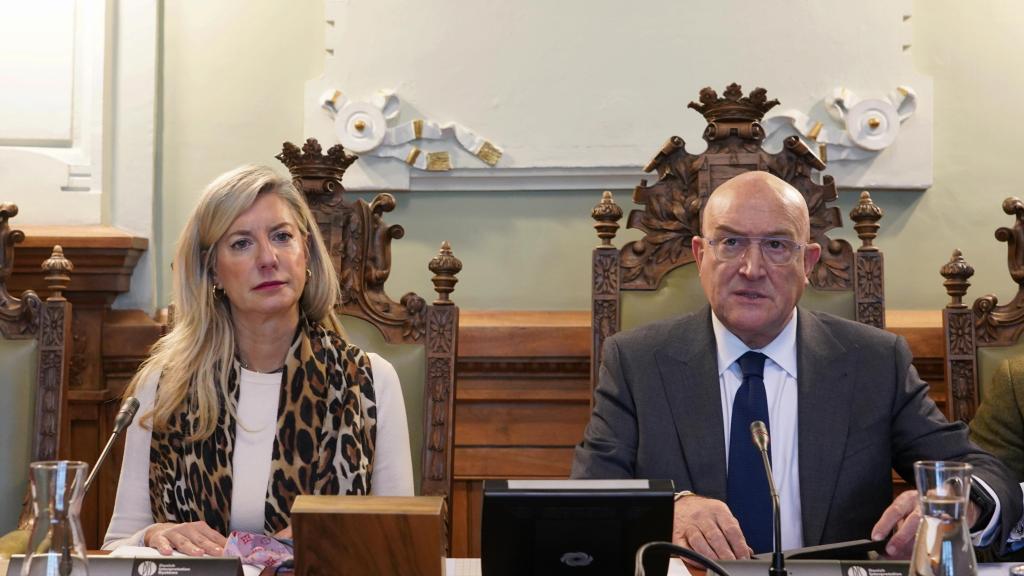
(979,338)
(418,338)
(649,279)
(34,343)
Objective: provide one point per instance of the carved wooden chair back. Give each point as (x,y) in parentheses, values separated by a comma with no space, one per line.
(418,338)
(979,338)
(34,343)
(648,279)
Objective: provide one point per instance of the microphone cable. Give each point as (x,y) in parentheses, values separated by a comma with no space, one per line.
(677,550)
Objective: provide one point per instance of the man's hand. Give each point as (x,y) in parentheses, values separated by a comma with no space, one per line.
(903,516)
(192,538)
(707,527)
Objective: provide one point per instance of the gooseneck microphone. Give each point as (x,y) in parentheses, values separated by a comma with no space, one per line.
(124,418)
(759,434)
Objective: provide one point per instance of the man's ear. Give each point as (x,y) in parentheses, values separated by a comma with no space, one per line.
(811,255)
(697,246)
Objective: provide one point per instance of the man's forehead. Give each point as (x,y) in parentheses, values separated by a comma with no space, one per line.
(764,211)
(776,231)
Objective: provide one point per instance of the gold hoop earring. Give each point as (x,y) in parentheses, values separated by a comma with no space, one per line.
(309,273)
(215,291)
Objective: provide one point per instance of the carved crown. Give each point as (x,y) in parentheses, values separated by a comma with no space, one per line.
(310,159)
(734,106)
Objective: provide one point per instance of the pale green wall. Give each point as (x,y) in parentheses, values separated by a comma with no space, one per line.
(233,81)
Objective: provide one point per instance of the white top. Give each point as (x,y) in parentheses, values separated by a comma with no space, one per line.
(780,387)
(254,442)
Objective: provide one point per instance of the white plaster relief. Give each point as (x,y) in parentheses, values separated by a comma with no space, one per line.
(576,101)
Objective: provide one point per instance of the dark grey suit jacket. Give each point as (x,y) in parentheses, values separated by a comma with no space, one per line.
(862,412)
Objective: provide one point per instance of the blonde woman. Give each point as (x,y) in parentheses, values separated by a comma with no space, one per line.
(255,396)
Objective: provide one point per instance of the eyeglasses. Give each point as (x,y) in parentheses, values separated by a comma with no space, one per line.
(776,251)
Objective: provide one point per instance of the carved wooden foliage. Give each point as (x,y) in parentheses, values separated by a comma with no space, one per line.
(962,389)
(960,335)
(672,206)
(670,219)
(19,317)
(48,412)
(54,337)
(606,273)
(442,331)
(871,313)
(869,277)
(439,399)
(1003,324)
(869,291)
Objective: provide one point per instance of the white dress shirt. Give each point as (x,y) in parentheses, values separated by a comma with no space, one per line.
(780,387)
(254,442)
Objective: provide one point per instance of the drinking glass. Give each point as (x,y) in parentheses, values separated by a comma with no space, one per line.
(56,546)
(943,544)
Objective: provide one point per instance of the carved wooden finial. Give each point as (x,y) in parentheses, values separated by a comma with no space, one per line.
(57,269)
(444,266)
(865,216)
(1014,238)
(956,272)
(607,214)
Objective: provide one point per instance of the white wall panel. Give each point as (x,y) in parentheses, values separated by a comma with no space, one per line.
(37,68)
(579,90)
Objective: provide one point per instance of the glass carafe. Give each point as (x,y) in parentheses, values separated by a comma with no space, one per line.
(56,546)
(943,544)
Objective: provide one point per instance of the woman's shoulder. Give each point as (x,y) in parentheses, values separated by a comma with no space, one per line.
(384,372)
(145,391)
(341,344)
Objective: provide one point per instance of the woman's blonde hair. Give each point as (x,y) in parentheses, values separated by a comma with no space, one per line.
(196,356)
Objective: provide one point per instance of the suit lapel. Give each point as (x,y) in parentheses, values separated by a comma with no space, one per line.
(823,408)
(689,373)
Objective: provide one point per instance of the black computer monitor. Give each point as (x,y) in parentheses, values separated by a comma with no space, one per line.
(577,527)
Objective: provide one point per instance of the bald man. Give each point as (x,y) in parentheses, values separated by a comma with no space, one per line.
(843,404)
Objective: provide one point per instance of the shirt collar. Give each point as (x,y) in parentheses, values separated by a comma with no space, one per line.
(781,350)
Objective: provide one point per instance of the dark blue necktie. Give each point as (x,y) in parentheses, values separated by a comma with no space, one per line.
(747,486)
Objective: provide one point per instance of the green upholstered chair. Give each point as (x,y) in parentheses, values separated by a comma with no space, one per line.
(418,338)
(34,340)
(649,278)
(979,338)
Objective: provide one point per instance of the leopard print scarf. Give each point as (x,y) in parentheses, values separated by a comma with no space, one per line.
(327,429)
